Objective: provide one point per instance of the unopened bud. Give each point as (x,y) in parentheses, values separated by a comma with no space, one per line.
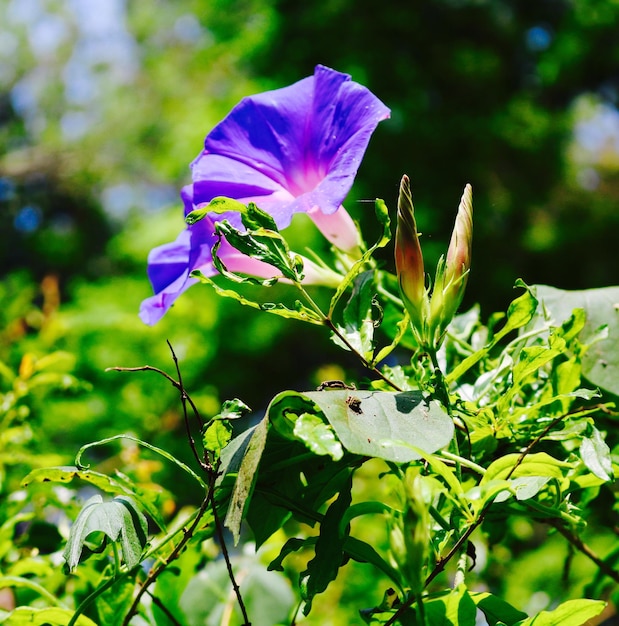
(452,273)
(409,260)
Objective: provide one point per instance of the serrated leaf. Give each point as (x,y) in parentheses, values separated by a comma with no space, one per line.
(262,244)
(596,456)
(119,519)
(570,613)
(318,436)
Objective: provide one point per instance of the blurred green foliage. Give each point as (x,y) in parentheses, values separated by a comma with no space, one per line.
(100,114)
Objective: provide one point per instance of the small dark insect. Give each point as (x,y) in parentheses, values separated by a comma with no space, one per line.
(354,404)
(334,384)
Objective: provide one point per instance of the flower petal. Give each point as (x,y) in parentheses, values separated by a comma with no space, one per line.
(289,150)
(303,143)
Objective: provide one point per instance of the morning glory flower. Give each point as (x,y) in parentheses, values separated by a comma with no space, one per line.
(291,150)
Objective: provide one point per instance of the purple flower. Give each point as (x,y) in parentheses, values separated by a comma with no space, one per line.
(291,150)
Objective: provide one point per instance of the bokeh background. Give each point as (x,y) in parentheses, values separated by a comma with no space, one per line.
(103,104)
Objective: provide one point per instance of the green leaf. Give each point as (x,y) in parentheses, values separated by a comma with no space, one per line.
(519,313)
(497,610)
(209,599)
(53,616)
(294,544)
(362,552)
(383,424)
(524,488)
(220,204)
(595,454)
(359,324)
(170,585)
(323,568)
(262,244)
(382,214)
(318,436)
(217,435)
(402,326)
(570,613)
(233,409)
(114,602)
(539,464)
(119,519)
(600,363)
(454,609)
(254,219)
(108,484)
(245,479)
(301,312)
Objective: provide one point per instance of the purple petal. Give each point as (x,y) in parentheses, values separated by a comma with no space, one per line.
(303,144)
(169,265)
(290,150)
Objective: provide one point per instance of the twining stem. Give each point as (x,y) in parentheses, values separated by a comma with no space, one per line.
(202,460)
(328,322)
(332,327)
(226,555)
(579,544)
(162,607)
(209,501)
(420,609)
(157,570)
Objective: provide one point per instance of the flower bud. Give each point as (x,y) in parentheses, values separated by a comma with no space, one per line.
(409,260)
(452,273)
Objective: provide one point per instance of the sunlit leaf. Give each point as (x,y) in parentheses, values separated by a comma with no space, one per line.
(513,466)
(301,312)
(53,616)
(217,435)
(360,265)
(318,436)
(108,484)
(595,454)
(600,363)
(497,610)
(570,613)
(359,324)
(371,423)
